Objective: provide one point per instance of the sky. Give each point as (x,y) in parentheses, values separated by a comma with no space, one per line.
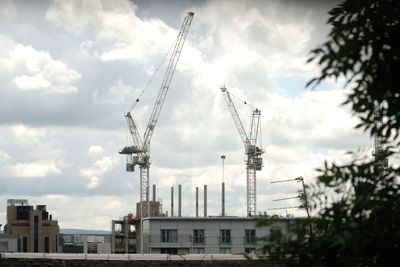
(70,70)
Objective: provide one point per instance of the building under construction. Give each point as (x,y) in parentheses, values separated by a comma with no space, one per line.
(156,233)
(152,231)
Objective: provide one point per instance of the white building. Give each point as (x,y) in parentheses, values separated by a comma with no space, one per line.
(203,235)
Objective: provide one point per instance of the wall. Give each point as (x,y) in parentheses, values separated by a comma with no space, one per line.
(8,244)
(12,262)
(211,225)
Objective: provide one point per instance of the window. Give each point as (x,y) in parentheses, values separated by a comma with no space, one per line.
(25,244)
(169,235)
(225,251)
(46,244)
(250,250)
(198,251)
(172,251)
(250,236)
(36,234)
(198,236)
(225,236)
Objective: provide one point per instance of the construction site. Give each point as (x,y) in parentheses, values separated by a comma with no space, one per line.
(151,230)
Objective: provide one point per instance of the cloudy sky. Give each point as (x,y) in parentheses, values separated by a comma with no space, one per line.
(69,70)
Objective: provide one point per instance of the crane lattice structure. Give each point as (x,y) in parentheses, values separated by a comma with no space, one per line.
(253,149)
(139,152)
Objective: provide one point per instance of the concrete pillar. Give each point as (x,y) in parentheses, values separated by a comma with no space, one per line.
(223,200)
(179,200)
(205,200)
(172,201)
(197,202)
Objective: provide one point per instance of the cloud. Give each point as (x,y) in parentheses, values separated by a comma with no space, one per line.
(68,78)
(4,156)
(26,134)
(116,28)
(35,70)
(32,170)
(105,164)
(95,150)
(7,9)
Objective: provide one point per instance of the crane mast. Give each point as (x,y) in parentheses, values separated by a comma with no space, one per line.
(253,150)
(139,152)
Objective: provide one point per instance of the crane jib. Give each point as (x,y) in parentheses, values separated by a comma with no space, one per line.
(138,153)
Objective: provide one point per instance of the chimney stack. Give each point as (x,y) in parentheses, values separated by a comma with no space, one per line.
(179,200)
(205,200)
(172,201)
(197,202)
(223,199)
(154,192)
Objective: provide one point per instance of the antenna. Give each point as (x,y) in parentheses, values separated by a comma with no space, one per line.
(297,179)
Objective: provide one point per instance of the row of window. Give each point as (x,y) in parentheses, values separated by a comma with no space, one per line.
(171,236)
(247,250)
(22,245)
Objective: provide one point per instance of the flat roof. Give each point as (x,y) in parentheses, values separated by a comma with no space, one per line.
(210,218)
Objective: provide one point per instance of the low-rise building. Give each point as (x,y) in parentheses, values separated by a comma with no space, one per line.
(34,229)
(204,235)
(86,243)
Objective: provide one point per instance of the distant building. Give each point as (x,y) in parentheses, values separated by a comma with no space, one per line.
(84,243)
(34,229)
(204,235)
(190,235)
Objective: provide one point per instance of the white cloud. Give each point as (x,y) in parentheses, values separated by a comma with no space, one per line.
(95,150)
(120,93)
(41,154)
(36,70)
(34,82)
(119,33)
(27,134)
(4,156)
(32,170)
(105,164)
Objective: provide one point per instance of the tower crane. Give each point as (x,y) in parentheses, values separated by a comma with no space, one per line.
(252,147)
(139,152)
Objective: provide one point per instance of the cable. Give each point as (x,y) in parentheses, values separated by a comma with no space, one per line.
(245,102)
(152,77)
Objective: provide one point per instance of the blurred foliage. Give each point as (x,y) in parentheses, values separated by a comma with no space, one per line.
(358,204)
(363,47)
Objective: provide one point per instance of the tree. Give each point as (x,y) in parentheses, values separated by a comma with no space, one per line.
(359,223)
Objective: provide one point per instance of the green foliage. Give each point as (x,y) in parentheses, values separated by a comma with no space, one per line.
(364,48)
(358,203)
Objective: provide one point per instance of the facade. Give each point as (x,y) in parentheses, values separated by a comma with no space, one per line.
(203,235)
(124,232)
(85,243)
(34,228)
(123,236)
(8,244)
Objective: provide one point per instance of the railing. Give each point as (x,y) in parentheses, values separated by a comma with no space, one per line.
(198,240)
(250,240)
(225,241)
(130,257)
